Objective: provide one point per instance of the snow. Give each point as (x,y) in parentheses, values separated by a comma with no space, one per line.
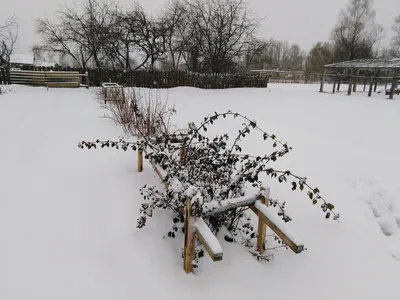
(278,222)
(68,216)
(208,236)
(214,207)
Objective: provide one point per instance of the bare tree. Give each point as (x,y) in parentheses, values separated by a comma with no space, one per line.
(55,39)
(256,54)
(356,32)
(148,36)
(221,32)
(8,39)
(120,41)
(395,44)
(177,34)
(80,33)
(320,55)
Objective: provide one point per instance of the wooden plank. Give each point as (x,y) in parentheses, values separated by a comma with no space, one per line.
(188,250)
(208,240)
(229,204)
(262,227)
(278,229)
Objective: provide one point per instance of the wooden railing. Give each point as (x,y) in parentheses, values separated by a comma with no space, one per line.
(193,226)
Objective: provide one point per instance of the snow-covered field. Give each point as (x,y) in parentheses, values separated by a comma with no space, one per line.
(68,216)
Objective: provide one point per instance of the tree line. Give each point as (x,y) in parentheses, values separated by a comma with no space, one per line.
(217,36)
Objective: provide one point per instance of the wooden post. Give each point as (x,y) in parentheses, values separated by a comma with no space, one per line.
(376,80)
(338,85)
(321,89)
(386,80)
(87,79)
(188,250)
(262,226)
(350,82)
(371,85)
(356,80)
(394,86)
(334,83)
(140,161)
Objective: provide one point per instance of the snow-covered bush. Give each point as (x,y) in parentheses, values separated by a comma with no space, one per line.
(208,170)
(137,114)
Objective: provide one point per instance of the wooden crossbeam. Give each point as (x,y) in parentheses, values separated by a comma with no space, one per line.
(208,240)
(230,204)
(277,226)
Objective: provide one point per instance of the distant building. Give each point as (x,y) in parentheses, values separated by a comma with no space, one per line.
(18,59)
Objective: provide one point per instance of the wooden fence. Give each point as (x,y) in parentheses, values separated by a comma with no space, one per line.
(45,78)
(279,76)
(164,79)
(5,75)
(170,79)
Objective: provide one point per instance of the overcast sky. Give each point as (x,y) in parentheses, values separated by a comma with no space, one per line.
(299,21)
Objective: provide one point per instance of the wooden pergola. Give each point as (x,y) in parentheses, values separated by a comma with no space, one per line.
(363,71)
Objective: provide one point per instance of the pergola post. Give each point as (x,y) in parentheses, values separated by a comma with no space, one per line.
(386,80)
(371,84)
(376,80)
(350,83)
(321,89)
(356,80)
(334,83)
(394,85)
(338,85)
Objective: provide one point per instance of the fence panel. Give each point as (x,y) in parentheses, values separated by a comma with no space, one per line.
(169,79)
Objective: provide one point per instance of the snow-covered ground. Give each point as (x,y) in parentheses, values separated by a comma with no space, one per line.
(68,216)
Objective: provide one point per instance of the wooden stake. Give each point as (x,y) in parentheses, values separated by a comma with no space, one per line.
(140,161)
(188,251)
(262,226)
